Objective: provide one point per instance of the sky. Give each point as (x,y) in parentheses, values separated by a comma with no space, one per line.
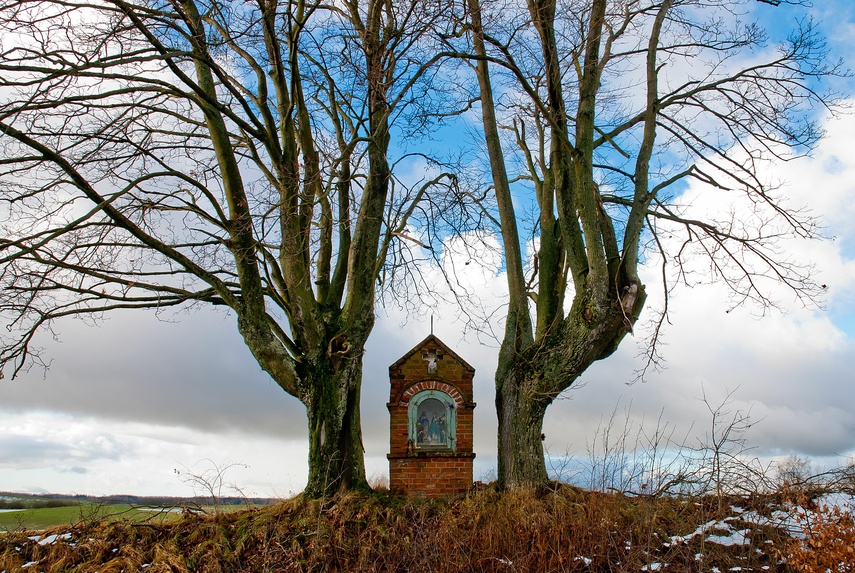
(137,403)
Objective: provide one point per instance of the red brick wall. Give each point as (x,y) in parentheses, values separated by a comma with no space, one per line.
(430,476)
(423,473)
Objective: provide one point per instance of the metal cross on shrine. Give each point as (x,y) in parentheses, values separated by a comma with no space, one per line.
(431,356)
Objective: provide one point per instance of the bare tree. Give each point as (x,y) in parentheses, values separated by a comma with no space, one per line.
(610,108)
(166,153)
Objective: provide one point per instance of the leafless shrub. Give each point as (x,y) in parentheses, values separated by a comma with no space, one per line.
(828,543)
(653,460)
(725,466)
(210,480)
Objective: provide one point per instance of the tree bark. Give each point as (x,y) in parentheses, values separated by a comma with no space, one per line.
(333,384)
(521,409)
(529,382)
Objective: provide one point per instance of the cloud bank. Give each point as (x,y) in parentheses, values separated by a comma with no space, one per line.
(131,400)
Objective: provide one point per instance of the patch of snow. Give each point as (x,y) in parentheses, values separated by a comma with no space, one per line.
(677,539)
(652,567)
(587,560)
(710,525)
(791,521)
(51,539)
(29,564)
(735,538)
(843,501)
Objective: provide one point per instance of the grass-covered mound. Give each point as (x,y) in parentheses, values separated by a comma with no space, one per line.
(565,529)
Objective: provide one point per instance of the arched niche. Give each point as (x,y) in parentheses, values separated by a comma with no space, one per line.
(432,421)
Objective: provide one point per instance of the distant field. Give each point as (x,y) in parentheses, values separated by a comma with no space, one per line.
(42,518)
(41,512)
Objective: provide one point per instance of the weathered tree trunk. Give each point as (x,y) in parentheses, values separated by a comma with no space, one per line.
(528,382)
(335,435)
(521,412)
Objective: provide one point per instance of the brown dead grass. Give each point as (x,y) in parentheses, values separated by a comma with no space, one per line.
(565,529)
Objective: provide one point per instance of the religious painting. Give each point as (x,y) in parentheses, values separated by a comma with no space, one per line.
(432,423)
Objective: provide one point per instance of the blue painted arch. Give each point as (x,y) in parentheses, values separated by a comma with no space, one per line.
(432,418)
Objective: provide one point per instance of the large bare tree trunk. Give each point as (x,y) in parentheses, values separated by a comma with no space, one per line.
(335,434)
(521,411)
(526,384)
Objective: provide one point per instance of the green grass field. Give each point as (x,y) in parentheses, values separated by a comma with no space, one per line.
(39,519)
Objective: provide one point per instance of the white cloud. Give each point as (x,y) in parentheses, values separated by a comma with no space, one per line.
(46,451)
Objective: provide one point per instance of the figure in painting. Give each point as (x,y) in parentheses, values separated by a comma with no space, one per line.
(433,434)
(431,426)
(422,428)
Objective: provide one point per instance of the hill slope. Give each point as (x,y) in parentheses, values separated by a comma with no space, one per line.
(566,529)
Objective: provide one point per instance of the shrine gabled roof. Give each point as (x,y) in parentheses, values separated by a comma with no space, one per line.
(432,339)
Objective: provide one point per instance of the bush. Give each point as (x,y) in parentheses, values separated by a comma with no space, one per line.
(828,545)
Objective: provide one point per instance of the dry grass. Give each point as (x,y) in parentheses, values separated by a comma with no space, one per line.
(566,529)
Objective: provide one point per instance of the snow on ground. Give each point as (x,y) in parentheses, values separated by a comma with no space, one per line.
(842,500)
(736,529)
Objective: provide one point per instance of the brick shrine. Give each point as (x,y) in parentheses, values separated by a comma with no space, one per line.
(430,407)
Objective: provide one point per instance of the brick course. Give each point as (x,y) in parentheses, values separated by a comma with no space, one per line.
(430,476)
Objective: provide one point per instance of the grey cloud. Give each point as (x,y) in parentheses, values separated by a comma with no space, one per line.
(77,470)
(828,431)
(32,452)
(195,372)
(19,451)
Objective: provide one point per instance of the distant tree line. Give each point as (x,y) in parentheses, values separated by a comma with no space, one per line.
(42,501)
